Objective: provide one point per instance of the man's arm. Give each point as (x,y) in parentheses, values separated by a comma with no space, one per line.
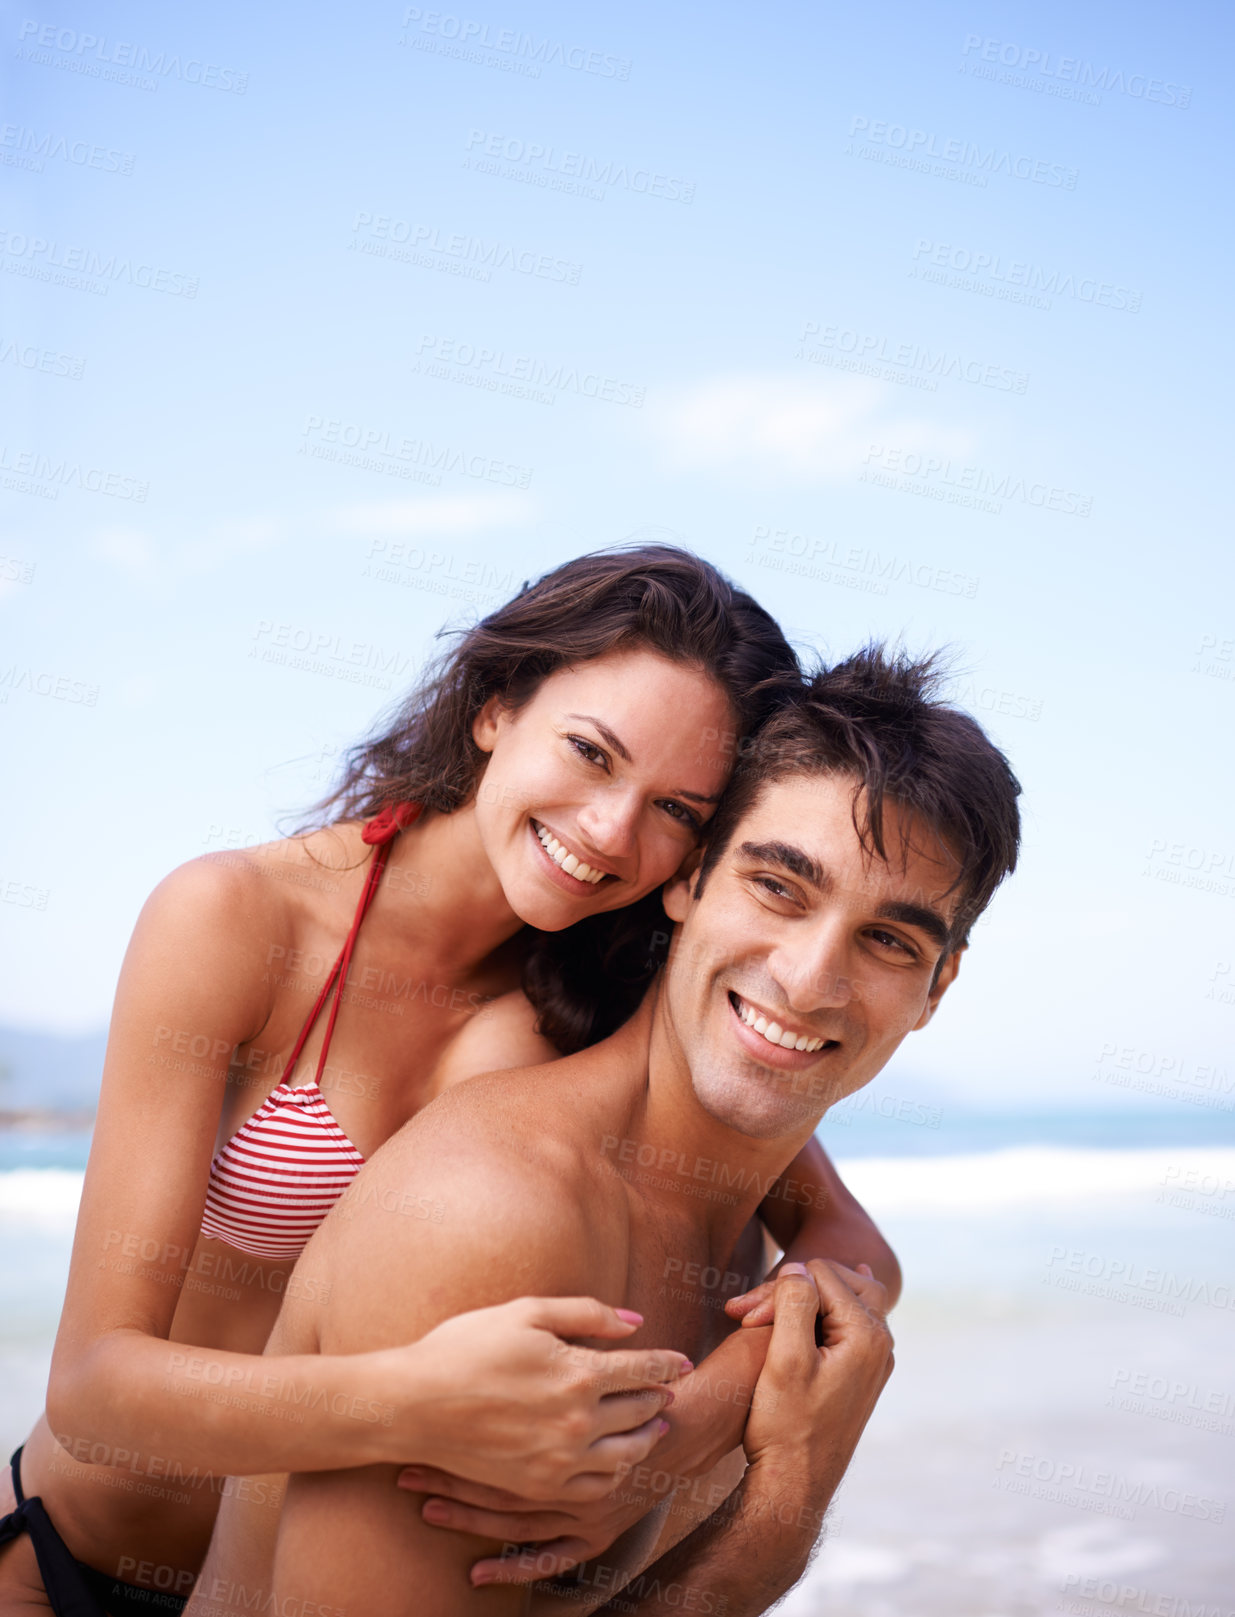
(809,1411)
(813,1216)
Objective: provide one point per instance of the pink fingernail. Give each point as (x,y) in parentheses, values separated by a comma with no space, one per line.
(664,1427)
(629,1315)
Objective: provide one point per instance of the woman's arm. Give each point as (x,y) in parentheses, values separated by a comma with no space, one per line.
(196,984)
(191,989)
(811,1214)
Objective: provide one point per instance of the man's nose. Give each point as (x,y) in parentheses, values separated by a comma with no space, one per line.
(816,971)
(609,820)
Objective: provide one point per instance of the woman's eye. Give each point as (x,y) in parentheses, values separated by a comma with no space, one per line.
(586,749)
(679,811)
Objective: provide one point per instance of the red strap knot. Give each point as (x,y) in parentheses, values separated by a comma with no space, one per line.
(394,818)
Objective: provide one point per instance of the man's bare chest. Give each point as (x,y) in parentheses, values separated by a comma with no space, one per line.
(680,1278)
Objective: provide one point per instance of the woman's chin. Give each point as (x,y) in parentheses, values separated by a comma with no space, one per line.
(548,910)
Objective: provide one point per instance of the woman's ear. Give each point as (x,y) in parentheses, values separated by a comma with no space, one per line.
(485,724)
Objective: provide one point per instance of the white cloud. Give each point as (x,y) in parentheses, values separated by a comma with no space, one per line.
(127,549)
(228,538)
(437,514)
(151,560)
(769,427)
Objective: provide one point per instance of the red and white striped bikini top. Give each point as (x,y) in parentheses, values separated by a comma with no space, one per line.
(281,1172)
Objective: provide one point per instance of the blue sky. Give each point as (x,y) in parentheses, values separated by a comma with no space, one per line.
(325,328)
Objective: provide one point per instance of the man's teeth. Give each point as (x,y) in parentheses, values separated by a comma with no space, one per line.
(572,866)
(775,1034)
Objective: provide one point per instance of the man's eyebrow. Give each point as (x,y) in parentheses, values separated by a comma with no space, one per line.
(801,864)
(795,860)
(610,739)
(919,915)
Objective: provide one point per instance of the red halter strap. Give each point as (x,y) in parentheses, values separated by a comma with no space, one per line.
(379,833)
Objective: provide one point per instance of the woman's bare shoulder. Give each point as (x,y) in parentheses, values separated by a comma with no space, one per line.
(265,882)
(224,916)
(500,1035)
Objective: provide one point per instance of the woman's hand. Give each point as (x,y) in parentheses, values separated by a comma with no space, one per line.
(755,1307)
(708,1416)
(551,1539)
(497,1397)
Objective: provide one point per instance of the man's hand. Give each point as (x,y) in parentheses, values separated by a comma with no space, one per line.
(809,1408)
(504,1402)
(812,1403)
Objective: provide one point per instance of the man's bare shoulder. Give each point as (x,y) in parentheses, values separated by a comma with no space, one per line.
(486,1195)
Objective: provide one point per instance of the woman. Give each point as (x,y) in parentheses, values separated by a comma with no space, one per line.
(524,809)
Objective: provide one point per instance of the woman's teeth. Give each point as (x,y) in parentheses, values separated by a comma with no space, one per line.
(775,1034)
(572,866)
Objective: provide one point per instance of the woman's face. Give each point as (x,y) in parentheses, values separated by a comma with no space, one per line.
(596,789)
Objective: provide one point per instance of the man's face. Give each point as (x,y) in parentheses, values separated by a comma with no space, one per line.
(800,937)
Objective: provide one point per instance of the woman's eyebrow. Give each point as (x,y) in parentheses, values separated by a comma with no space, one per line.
(610,739)
(605,732)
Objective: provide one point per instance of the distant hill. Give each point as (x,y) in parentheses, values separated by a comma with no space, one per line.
(40,1072)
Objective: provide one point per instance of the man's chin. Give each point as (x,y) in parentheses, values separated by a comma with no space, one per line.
(761,1103)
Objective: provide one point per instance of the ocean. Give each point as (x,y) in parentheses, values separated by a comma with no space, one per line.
(1057,1437)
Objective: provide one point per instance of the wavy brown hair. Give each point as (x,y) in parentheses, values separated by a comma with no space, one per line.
(586,981)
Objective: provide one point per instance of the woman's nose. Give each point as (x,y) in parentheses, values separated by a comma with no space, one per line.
(609,821)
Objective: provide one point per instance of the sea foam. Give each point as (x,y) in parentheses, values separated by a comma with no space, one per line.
(1039,1173)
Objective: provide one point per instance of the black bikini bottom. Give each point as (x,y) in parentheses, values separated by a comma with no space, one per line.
(75,1589)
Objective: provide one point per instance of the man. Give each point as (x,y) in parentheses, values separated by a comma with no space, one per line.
(866,831)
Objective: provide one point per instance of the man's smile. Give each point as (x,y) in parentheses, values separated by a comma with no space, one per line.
(765,1033)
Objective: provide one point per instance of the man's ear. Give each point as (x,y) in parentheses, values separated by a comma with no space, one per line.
(485,724)
(944,979)
(680,889)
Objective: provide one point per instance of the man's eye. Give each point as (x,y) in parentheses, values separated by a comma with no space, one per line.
(891,941)
(776,888)
(587,749)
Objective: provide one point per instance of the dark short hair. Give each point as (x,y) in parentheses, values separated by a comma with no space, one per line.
(877,718)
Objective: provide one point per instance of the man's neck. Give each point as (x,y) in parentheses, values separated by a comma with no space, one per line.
(688,1161)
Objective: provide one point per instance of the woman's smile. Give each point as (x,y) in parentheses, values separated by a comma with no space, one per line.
(566,861)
